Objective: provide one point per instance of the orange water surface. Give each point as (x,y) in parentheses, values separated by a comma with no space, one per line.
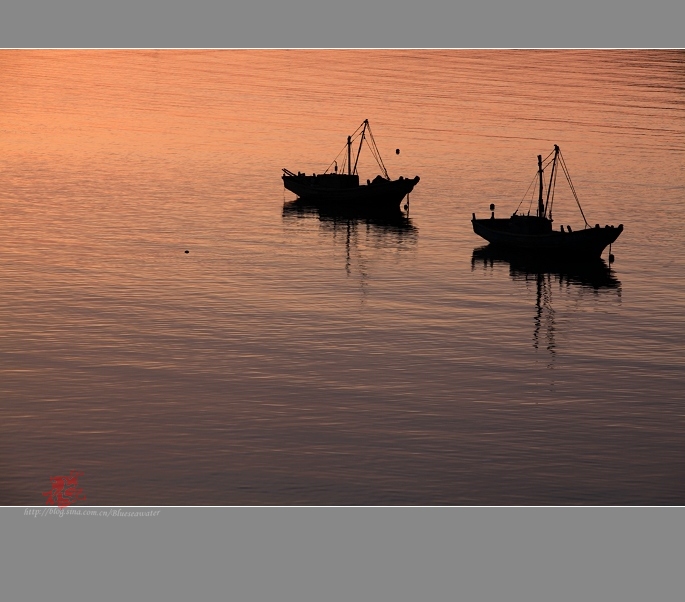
(302,357)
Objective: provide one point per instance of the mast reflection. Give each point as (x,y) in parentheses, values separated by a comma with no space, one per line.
(593,276)
(361,231)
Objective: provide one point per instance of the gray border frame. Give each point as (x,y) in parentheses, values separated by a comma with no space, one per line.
(345,553)
(345,24)
(348,554)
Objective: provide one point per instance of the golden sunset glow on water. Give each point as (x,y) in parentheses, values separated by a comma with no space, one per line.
(304,357)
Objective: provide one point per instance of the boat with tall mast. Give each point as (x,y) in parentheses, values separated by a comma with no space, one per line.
(343,189)
(533,233)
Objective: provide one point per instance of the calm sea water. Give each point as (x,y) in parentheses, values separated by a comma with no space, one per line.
(298,358)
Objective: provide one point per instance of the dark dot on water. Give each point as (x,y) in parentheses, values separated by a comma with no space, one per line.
(397,151)
(187,251)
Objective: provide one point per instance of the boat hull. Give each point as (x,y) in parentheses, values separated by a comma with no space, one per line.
(378,194)
(583,244)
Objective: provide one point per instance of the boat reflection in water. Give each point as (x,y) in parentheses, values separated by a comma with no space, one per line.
(365,233)
(385,221)
(549,273)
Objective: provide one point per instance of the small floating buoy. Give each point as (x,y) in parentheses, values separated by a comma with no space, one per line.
(187,251)
(397,151)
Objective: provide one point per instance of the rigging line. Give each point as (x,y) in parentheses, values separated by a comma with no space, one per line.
(573,190)
(361,125)
(371,143)
(532,194)
(379,159)
(526,192)
(373,152)
(361,141)
(353,137)
(342,150)
(344,159)
(377,156)
(548,163)
(369,139)
(359,132)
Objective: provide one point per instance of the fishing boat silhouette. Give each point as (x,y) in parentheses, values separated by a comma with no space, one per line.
(533,233)
(343,189)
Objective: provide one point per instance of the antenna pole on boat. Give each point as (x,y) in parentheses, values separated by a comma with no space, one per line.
(349,155)
(541,206)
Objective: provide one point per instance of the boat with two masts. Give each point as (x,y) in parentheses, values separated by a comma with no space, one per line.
(534,233)
(343,189)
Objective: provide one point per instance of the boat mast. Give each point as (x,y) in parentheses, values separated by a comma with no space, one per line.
(551,176)
(349,155)
(361,141)
(541,205)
